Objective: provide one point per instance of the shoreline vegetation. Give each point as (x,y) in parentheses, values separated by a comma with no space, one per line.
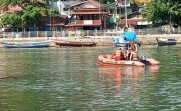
(100,40)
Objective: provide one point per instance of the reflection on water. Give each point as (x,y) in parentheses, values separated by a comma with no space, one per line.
(70,79)
(154,68)
(118,73)
(118,76)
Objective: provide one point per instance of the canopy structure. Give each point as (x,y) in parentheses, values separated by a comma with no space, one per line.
(124,40)
(130,36)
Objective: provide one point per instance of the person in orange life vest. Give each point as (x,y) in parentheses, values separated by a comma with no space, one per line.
(118,55)
(132,50)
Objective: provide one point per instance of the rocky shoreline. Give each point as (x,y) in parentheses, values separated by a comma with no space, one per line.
(100,40)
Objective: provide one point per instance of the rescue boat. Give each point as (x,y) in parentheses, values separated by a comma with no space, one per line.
(141,62)
(107,61)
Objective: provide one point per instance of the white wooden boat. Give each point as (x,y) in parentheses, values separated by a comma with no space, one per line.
(39,44)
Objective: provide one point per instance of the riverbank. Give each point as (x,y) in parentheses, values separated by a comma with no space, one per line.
(100,40)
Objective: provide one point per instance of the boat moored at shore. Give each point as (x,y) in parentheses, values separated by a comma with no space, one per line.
(165,42)
(75,43)
(39,44)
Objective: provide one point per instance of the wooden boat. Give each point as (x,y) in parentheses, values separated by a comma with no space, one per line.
(39,44)
(75,43)
(164,42)
(106,61)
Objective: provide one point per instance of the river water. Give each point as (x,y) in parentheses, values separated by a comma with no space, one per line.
(70,79)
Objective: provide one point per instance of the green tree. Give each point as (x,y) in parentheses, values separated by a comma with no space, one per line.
(29,17)
(11,20)
(162,12)
(21,2)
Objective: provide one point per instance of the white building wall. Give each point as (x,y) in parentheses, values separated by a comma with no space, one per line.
(61,4)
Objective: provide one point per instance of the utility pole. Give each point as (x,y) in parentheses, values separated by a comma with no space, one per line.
(170,24)
(116,14)
(126,14)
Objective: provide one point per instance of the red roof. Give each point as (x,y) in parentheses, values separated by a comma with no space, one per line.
(130,21)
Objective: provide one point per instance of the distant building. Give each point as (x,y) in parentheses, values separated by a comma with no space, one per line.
(64,6)
(130,14)
(81,15)
(118,10)
(54,23)
(134,20)
(88,15)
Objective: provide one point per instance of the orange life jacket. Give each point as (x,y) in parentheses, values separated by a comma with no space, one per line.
(118,53)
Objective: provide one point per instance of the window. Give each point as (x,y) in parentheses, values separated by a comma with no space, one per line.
(58,28)
(65,9)
(79,28)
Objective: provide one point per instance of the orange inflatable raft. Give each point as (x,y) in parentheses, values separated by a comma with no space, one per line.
(105,60)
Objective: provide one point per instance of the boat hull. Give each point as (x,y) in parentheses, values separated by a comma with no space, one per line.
(106,61)
(75,44)
(41,44)
(141,62)
(164,42)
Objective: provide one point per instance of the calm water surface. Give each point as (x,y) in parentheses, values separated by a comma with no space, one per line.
(70,79)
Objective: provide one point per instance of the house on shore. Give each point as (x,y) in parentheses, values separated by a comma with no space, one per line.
(134,20)
(127,14)
(64,6)
(88,15)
